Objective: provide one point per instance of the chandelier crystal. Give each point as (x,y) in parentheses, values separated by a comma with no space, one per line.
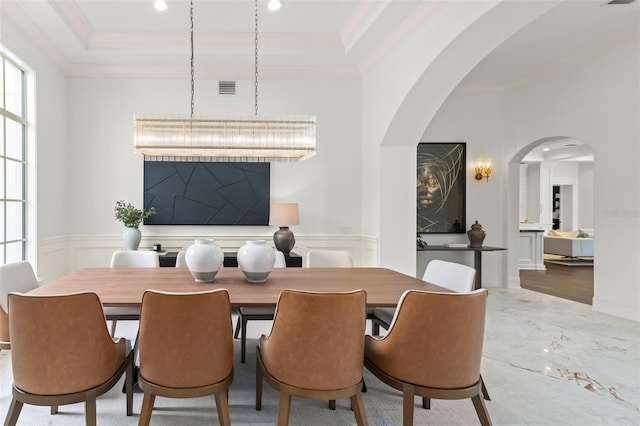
(224,137)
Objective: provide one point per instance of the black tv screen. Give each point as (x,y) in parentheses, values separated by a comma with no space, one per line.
(198,193)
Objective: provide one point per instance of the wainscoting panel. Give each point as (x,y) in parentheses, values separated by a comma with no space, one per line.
(61,255)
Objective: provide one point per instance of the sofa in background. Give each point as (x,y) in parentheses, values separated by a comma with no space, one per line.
(571,244)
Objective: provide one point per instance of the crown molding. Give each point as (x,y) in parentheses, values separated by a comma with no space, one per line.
(244,72)
(14,15)
(408,27)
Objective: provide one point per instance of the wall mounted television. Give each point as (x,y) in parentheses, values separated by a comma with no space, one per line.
(200,193)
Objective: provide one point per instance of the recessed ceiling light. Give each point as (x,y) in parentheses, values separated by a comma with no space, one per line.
(274,5)
(160,5)
(545,149)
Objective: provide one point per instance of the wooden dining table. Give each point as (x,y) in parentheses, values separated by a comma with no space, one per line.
(125,286)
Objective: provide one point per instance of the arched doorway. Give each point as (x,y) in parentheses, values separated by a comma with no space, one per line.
(555,210)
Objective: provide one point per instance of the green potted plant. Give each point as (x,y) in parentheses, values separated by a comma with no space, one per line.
(132,218)
(420,243)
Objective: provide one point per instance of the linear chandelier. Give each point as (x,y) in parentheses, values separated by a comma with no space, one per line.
(224,137)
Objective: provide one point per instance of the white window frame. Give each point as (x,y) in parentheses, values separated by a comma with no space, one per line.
(28,104)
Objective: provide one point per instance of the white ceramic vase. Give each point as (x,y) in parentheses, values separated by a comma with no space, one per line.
(204,259)
(256,260)
(131,238)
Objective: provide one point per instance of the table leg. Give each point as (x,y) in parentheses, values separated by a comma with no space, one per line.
(477,264)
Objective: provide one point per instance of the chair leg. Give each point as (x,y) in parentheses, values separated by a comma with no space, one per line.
(222,405)
(54,409)
(285,408)
(90,408)
(258,383)
(407,405)
(332,404)
(243,340)
(128,387)
(147,407)
(358,409)
(426,403)
(13,413)
(485,393)
(113,327)
(481,410)
(375,328)
(237,332)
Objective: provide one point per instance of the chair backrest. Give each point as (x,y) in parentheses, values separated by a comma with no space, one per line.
(135,259)
(61,344)
(329,259)
(317,339)
(186,339)
(436,339)
(280,260)
(180,261)
(454,276)
(16,277)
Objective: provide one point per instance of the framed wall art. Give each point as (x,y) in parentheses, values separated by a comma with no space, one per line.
(441,188)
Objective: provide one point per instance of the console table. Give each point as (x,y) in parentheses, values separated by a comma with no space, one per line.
(477,257)
(293,260)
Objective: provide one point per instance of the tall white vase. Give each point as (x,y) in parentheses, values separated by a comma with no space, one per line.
(131,238)
(204,259)
(256,260)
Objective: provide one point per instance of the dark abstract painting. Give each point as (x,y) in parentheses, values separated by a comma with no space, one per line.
(199,193)
(441,186)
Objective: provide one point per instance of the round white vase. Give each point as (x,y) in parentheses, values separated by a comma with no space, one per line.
(256,260)
(131,238)
(204,259)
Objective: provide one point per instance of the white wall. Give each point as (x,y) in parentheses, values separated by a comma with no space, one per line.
(585,102)
(403,92)
(476,120)
(586,201)
(590,103)
(49,166)
(103,167)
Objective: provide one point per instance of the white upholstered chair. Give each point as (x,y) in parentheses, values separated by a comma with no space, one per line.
(135,259)
(129,259)
(180,261)
(317,258)
(14,277)
(255,314)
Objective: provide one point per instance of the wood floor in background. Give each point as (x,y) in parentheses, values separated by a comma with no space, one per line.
(568,282)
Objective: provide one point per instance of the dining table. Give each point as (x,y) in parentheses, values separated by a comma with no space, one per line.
(124,287)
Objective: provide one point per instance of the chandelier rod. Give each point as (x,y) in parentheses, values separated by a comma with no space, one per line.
(192,72)
(256,60)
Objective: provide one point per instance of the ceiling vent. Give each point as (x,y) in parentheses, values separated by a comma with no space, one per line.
(226,87)
(621,1)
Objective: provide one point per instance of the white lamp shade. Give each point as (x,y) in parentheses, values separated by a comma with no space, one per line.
(284,214)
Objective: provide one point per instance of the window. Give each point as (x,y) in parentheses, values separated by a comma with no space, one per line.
(13,131)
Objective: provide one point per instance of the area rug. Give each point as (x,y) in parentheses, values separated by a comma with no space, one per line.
(571,262)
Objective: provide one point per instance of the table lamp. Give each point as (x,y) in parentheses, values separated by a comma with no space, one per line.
(284,215)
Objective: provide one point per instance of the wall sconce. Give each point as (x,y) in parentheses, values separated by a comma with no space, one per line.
(483,170)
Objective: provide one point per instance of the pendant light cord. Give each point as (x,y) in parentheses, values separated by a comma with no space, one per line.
(256,59)
(192,73)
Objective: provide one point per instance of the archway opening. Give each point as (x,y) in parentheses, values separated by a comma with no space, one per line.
(555,210)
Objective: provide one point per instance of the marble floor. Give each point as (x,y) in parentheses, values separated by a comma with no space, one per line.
(547,361)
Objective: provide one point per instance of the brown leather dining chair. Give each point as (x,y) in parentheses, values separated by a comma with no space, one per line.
(186,348)
(62,353)
(315,350)
(453,276)
(433,349)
